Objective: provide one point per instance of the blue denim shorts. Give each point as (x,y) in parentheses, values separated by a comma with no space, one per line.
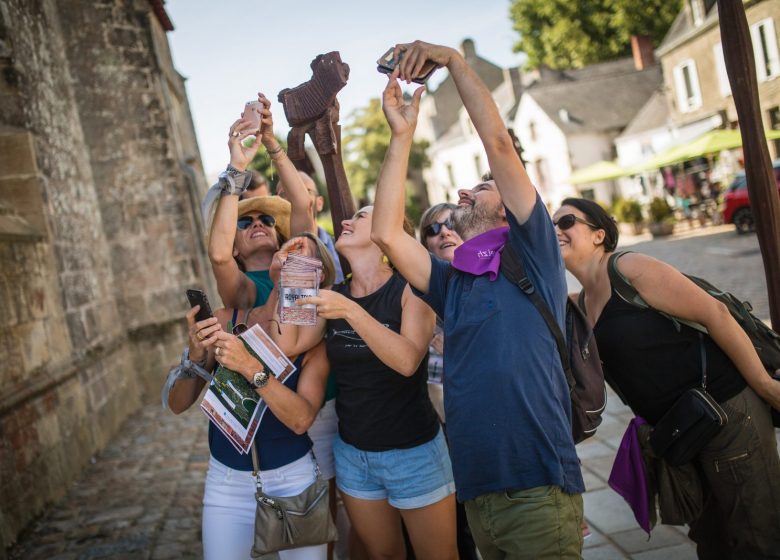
(406,478)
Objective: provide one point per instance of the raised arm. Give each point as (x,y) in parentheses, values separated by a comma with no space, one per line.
(302,213)
(402,351)
(407,255)
(517,192)
(664,288)
(234,287)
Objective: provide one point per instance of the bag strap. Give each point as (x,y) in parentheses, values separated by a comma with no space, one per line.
(512,267)
(256,468)
(703,353)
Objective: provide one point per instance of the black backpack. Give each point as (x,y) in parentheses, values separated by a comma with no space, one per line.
(578,352)
(765,340)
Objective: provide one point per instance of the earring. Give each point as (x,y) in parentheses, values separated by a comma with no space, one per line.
(385,260)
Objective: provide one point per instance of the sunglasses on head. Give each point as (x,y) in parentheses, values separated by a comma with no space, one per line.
(434,229)
(245,222)
(568,220)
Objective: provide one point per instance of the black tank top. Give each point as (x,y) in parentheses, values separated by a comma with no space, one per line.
(652,363)
(378,408)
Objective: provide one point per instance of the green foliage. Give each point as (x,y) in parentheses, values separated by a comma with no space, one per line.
(660,211)
(262,163)
(575,33)
(365,144)
(628,210)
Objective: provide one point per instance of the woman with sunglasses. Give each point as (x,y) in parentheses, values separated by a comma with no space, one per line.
(286,462)
(651,362)
(391,457)
(241,253)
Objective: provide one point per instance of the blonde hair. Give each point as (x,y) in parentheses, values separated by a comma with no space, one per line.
(328,265)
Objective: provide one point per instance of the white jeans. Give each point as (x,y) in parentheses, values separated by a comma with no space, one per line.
(229,508)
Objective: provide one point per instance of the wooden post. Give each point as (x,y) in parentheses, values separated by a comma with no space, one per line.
(762,189)
(312,108)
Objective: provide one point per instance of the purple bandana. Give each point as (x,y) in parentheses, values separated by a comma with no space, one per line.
(482,253)
(628,477)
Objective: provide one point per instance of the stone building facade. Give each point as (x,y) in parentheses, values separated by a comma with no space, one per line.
(100,234)
(691,55)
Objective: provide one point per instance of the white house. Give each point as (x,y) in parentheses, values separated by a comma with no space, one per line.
(568,120)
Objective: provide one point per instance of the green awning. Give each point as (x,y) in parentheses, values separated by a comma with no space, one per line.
(710,142)
(600,171)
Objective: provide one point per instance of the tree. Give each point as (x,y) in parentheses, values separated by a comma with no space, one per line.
(262,163)
(367,136)
(566,34)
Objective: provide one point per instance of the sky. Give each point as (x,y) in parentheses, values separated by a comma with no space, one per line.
(230,50)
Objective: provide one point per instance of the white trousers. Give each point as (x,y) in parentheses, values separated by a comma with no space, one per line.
(229,508)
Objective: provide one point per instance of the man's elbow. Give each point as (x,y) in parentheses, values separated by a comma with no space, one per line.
(499,142)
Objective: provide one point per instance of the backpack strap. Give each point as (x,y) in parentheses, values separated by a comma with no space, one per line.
(512,267)
(628,293)
(581,301)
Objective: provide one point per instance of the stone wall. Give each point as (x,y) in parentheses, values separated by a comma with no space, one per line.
(100,179)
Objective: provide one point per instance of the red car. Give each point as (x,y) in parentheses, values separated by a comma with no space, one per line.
(736,206)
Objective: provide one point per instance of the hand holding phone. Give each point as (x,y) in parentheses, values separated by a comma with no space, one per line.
(198,297)
(252,113)
(387,63)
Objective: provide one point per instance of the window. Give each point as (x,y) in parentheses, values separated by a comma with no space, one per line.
(720,70)
(541,177)
(532,131)
(697,10)
(450,175)
(686,82)
(765,49)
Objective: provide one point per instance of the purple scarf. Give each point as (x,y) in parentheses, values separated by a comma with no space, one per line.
(482,254)
(628,477)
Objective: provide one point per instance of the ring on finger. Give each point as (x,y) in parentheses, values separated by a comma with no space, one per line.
(199,335)
(235,134)
(217,351)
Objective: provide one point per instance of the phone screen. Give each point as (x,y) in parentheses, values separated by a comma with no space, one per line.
(198,297)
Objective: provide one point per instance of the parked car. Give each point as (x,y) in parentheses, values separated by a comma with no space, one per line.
(736,206)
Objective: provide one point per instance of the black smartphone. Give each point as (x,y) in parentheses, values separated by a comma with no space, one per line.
(386,65)
(198,297)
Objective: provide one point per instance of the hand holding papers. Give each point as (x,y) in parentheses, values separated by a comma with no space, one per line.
(300,278)
(232,403)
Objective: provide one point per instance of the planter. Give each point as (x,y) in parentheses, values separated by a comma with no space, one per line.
(661,229)
(638,228)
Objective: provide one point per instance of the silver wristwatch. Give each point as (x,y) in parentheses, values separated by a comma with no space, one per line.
(260,379)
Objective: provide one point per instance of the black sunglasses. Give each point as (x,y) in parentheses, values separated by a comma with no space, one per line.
(568,220)
(434,229)
(245,222)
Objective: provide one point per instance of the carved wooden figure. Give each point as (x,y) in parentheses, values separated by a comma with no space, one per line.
(312,108)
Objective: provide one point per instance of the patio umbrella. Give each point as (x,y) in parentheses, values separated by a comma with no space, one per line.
(599,171)
(710,142)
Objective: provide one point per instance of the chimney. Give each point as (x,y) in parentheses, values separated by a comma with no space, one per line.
(513,76)
(468,49)
(642,48)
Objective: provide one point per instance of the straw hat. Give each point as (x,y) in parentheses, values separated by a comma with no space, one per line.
(274,206)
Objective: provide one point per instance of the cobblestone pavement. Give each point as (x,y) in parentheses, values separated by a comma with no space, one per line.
(141,497)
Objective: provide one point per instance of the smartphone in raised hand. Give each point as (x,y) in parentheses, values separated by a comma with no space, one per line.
(198,297)
(387,63)
(252,113)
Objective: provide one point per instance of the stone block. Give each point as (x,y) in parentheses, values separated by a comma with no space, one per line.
(17,156)
(35,350)
(22,201)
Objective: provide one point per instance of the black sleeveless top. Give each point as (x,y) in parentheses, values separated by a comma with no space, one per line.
(652,363)
(378,408)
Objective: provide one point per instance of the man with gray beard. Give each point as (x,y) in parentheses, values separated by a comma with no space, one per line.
(506,397)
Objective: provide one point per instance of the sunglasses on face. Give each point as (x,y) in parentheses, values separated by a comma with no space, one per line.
(435,228)
(245,222)
(568,220)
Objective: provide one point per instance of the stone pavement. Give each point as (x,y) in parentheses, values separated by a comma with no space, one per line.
(141,497)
